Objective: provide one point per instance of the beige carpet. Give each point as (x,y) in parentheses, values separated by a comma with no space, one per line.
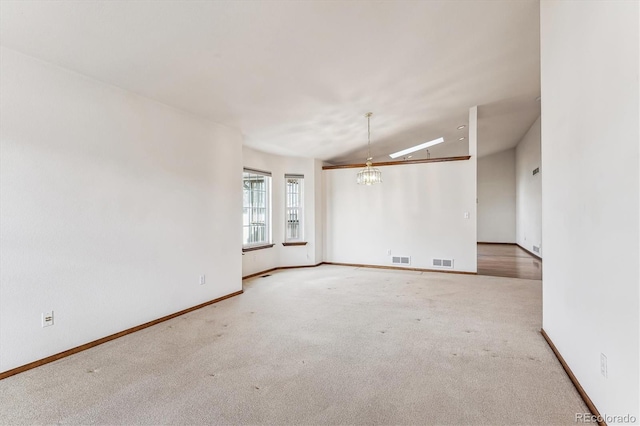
(325,345)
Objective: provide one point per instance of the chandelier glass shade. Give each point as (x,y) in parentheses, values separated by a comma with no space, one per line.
(369,175)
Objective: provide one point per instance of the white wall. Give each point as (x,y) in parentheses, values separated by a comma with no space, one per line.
(111,206)
(279,255)
(497,197)
(418,211)
(529,191)
(590,185)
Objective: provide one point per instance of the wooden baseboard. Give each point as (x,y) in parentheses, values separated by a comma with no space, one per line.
(530,252)
(493,242)
(573,378)
(89,345)
(358,265)
(266,271)
(399,268)
(300,266)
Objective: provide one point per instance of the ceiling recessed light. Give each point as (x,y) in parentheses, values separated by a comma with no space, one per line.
(461,139)
(461,127)
(416,148)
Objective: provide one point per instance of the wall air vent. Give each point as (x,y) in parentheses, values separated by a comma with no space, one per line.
(442,263)
(401,260)
(536,171)
(536,249)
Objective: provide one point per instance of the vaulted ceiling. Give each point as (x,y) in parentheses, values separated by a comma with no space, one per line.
(296,78)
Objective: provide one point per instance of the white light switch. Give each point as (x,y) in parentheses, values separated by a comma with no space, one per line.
(202,279)
(466,215)
(603,365)
(47,319)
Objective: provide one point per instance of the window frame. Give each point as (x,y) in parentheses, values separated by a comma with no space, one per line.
(267,242)
(288,199)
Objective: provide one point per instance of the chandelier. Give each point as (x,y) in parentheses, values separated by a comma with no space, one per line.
(369,175)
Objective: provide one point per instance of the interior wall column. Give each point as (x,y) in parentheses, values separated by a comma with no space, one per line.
(473,152)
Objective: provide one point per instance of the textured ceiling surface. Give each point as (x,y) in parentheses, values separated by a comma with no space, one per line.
(296,78)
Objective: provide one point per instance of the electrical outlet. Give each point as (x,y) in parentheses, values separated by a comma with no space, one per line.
(47,319)
(203,279)
(389,252)
(466,215)
(603,365)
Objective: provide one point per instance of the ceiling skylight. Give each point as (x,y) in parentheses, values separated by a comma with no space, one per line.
(416,148)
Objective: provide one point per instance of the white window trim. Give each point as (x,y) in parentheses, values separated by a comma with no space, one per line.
(300,209)
(268,224)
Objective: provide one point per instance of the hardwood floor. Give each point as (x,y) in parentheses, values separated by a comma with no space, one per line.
(508,260)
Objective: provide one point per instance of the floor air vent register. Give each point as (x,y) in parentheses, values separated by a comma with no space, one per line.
(401,260)
(442,263)
(436,263)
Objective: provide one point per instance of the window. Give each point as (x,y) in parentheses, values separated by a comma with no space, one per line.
(256,194)
(293,208)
